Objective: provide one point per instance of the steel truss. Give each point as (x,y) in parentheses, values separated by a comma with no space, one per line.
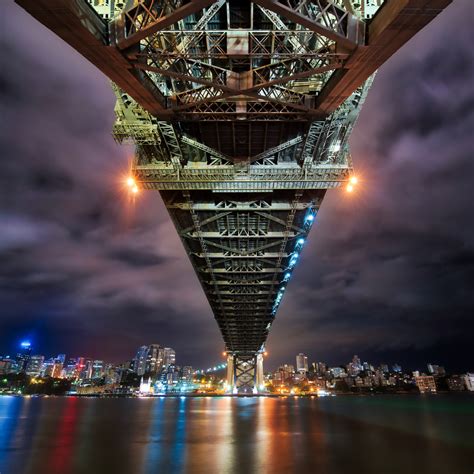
(283,82)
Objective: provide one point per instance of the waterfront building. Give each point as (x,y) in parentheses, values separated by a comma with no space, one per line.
(301,363)
(469,381)
(35,365)
(425,383)
(455,383)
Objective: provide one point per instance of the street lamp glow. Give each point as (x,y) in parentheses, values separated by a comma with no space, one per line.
(135,189)
(353,180)
(130,182)
(349,188)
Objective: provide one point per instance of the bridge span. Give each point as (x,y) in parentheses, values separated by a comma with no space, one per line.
(240,112)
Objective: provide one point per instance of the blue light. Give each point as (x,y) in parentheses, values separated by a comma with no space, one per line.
(287,276)
(25,344)
(310,217)
(300,241)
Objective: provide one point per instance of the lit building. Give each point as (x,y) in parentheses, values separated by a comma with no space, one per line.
(169,357)
(455,383)
(301,363)
(23,357)
(97,369)
(426,383)
(469,381)
(355,366)
(34,365)
(436,370)
(155,358)
(7,366)
(140,361)
(187,373)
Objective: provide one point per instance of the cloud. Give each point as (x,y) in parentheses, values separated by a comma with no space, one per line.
(386,272)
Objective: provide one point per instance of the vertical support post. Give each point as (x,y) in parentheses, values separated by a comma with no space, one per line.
(259,381)
(230,373)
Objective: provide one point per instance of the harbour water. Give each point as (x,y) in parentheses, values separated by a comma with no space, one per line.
(345,434)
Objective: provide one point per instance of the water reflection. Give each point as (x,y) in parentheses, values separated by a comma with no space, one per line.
(227,435)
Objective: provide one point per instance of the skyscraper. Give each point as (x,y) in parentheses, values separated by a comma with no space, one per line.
(154,359)
(301,363)
(140,361)
(169,357)
(23,357)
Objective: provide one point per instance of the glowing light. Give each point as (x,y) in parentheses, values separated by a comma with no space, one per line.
(135,189)
(130,182)
(349,188)
(310,217)
(300,241)
(353,180)
(25,344)
(224,353)
(265,353)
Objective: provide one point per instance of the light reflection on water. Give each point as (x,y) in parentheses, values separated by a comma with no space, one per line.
(386,434)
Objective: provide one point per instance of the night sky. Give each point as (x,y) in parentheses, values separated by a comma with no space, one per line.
(387,272)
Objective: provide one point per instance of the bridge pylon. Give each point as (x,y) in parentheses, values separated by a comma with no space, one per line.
(245,373)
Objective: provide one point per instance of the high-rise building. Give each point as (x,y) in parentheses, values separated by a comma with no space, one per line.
(140,361)
(97,369)
(301,363)
(35,365)
(169,357)
(155,358)
(23,357)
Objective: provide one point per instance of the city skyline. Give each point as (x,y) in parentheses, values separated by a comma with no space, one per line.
(301,361)
(387,269)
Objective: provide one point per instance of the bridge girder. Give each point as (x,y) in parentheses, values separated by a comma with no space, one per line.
(241,114)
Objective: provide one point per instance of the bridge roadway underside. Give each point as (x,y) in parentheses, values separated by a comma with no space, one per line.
(240,112)
(243,247)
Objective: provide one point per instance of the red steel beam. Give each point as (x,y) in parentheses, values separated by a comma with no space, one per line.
(152,26)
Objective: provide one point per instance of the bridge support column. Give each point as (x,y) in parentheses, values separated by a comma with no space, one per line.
(245,373)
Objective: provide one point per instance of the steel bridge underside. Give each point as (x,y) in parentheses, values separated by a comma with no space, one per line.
(240,112)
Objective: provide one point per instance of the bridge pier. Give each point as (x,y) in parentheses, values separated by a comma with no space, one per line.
(245,373)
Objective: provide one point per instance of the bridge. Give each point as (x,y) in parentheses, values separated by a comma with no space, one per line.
(240,112)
